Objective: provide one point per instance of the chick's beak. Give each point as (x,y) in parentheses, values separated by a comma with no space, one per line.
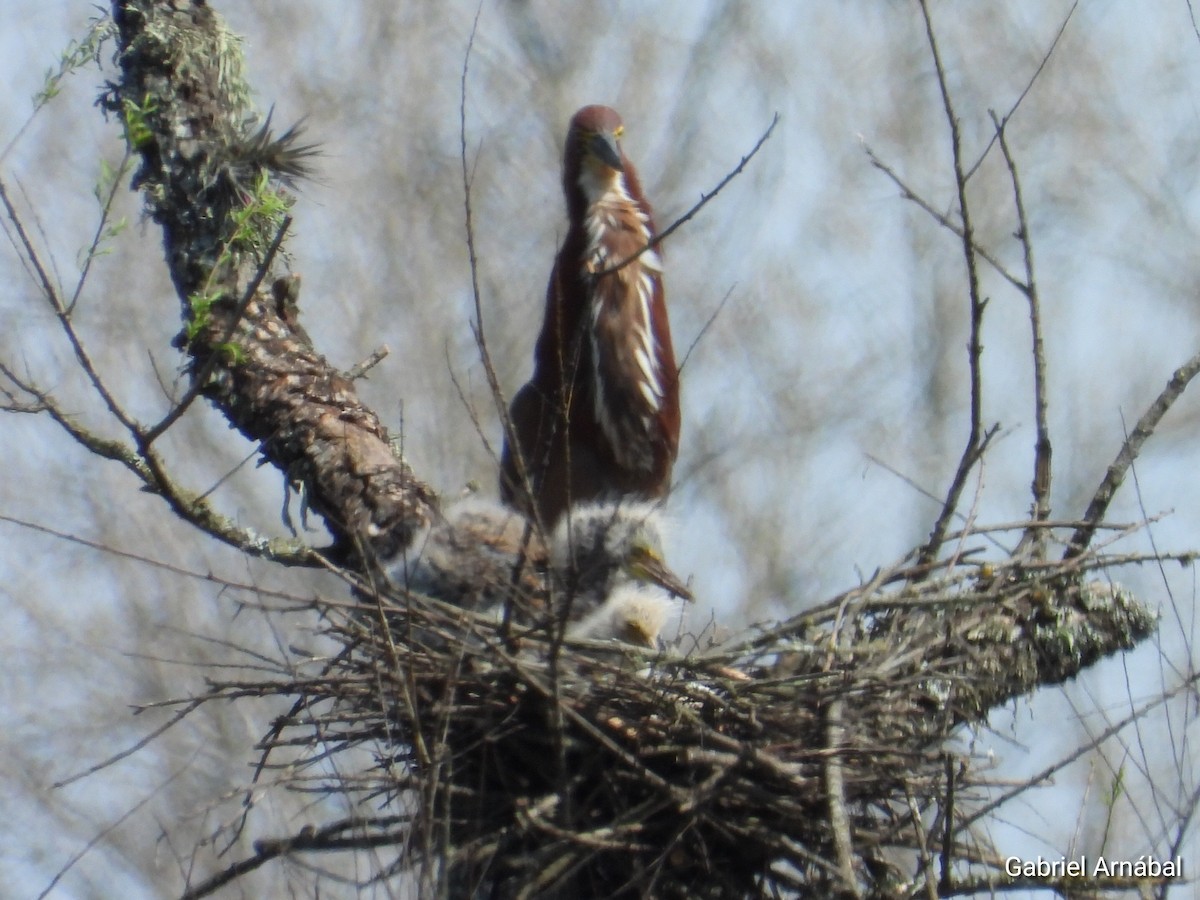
(638,636)
(650,568)
(603,146)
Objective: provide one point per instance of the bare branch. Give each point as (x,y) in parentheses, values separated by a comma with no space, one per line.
(335,836)
(360,369)
(1129,451)
(1042,448)
(103,833)
(107,199)
(150,470)
(977,439)
(1028,87)
(700,204)
(708,323)
(477,329)
(298,556)
(1041,777)
(908,193)
(835,787)
(60,310)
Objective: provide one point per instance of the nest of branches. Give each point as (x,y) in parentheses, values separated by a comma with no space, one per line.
(809,759)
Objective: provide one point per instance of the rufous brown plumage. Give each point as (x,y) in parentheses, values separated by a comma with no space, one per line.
(599,419)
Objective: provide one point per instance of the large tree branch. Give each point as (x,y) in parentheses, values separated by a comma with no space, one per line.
(207,183)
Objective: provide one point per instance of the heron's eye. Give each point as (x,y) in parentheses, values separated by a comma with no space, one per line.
(638,552)
(642,555)
(619,132)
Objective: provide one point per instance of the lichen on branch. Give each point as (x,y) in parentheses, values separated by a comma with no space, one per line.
(215,181)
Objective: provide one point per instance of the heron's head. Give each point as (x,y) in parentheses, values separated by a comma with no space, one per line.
(601,546)
(593,159)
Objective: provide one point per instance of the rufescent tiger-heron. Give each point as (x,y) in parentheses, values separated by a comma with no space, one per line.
(599,419)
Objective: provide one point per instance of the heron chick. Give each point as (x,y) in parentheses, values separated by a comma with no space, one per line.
(618,586)
(469,558)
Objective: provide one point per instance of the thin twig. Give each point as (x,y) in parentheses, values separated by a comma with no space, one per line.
(708,323)
(977,440)
(948,826)
(237,467)
(142,559)
(360,369)
(477,326)
(1042,448)
(926,868)
(910,193)
(56,303)
(1040,778)
(132,748)
(1028,87)
(200,378)
(118,182)
(1129,451)
(99,837)
(700,204)
(835,795)
(324,839)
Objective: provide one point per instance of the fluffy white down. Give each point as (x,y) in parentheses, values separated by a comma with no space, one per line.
(586,525)
(634,613)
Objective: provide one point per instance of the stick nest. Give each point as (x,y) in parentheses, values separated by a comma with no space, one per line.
(809,758)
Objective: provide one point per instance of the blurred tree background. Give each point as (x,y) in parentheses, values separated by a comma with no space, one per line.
(825,407)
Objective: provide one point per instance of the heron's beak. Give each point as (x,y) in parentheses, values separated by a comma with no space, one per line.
(634,634)
(603,146)
(648,567)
